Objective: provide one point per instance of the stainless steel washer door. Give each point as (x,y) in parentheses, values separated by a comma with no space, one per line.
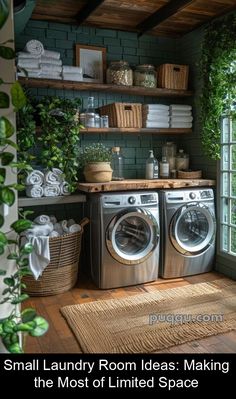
(192,229)
(132,236)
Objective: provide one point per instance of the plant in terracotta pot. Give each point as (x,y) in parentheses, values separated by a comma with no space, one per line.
(96,160)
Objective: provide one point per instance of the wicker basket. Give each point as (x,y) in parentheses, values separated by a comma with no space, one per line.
(194,174)
(172,76)
(123,114)
(62,272)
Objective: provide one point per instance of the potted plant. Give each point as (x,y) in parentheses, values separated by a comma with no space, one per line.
(96,161)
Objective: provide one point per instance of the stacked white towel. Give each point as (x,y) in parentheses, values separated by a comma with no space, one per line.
(181,116)
(72,73)
(155,115)
(51,183)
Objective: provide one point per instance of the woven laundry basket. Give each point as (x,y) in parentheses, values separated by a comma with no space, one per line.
(62,272)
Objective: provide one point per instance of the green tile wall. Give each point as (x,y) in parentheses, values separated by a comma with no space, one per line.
(119,45)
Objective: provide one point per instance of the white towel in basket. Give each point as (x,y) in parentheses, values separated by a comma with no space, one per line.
(42,219)
(74,228)
(39,258)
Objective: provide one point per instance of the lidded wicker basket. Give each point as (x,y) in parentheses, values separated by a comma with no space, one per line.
(61,273)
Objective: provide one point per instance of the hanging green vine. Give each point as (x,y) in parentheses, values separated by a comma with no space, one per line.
(218,69)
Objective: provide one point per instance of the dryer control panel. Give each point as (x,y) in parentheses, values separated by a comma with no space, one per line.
(130,199)
(179,196)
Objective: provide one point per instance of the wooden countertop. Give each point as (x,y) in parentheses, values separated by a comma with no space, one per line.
(142,184)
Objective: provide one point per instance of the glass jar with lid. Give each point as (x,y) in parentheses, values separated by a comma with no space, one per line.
(169,151)
(120,73)
(145,75)
(182,160)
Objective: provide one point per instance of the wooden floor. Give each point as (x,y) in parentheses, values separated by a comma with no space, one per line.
(60,339)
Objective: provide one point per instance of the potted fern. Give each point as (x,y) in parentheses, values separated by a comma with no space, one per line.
(96,161)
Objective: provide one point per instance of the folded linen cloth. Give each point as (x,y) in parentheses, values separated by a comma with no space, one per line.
(35,177)
(30,74)
(34,47)
(181,124)
(156,107)
(181,113)
(185,119)
(72,76)
(25,55)
(49,60)
(74,228)
(52,54)
(53,219)
(71,69)
(157,118)
(180,107)
(157,112)
(156,124)
(52,190)
(50,67)
(39,258)
(34,191)
(53,176)
(54,233)
(42,219)
(50,75)
(64,188)
(28,63)
(58,229)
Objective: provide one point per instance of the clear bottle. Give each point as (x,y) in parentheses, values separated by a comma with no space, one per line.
(164,168)
(169,151)
(117,164)
(152,169)
(182,160)
(90,113)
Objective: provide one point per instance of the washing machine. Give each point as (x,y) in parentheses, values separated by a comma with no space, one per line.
(124,238)
(188,232)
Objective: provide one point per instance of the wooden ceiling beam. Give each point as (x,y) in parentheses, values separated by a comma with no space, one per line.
(161,15)
(87,10)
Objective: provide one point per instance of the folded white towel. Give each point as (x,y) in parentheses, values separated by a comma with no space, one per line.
(35,177)
(181,124)
(53,61)
(52,54)
(34,47)
(54,233)
(34,191)
(180,113)
(54,176)
(64,226)
(185,119)
(58,229)
(25,55)
(156,107)
(156,112)
(156,124)
(72,76)
(180,107)
(53,219)
(74,228)
(39,230)
(71,69)
(70,222)
(50,75)
(64,188)
(39,258)
(164,119)
(50,67)
(42,219)
(29,74)
(28,63)
(52,190)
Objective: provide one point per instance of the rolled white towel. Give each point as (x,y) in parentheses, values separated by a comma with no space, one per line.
(49,67)
(53,219)
(64,188)
(64,226)
(25,55)
(53,61)
(71,69)
(70,222)
(34,47)
(42,219)
(53,176)
(35,177)
(54,233)
(74,228)
(34,191)
(52,54)
(39,230)
(58,229)
(28,63)
(73,76)
(51,190)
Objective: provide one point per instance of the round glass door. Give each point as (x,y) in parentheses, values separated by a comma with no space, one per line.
(132,236)
(192,229)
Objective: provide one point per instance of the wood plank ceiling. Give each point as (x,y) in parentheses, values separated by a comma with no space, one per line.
(158,17)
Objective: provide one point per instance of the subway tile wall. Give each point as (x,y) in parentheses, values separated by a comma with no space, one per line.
(126,46)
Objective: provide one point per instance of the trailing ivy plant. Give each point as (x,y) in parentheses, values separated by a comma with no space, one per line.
(26,321)
(218,70)
(60,136)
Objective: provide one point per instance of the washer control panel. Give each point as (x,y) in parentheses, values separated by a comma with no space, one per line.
(130,199)
(179,196)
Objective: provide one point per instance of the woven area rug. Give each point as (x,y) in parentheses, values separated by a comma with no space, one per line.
(154,321)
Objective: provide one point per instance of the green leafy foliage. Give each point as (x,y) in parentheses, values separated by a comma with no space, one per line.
(219,80)
(7,196)
(4,100)
(7,52)
(21,225)
(18,97)
(4,12)
(95,153)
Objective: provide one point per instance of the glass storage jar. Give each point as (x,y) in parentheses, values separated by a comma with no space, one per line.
(169,151)
(145,75)
(182,161)
(120,73)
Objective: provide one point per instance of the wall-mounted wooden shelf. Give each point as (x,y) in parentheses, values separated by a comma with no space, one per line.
(67,199)
(82,86)
(134,130)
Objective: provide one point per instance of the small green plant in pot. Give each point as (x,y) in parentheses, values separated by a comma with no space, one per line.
(96,160)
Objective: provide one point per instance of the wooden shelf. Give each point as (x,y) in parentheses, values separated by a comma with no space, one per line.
(135,130)
(143,184)
(82,86)
(67,199)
